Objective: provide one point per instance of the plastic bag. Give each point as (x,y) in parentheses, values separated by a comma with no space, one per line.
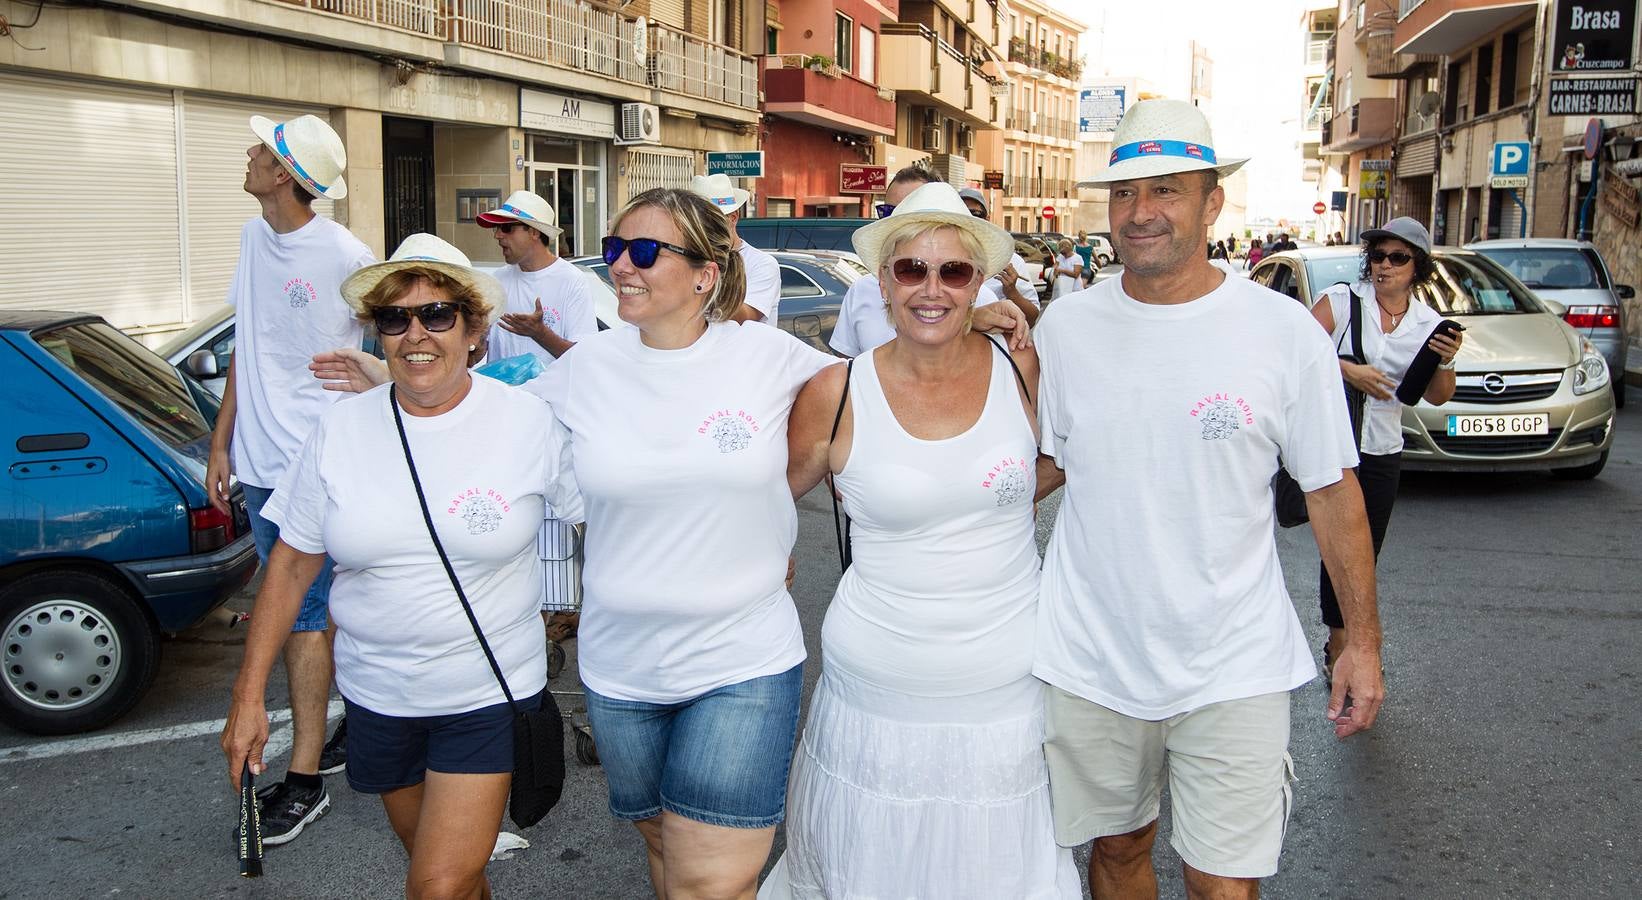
(514,370)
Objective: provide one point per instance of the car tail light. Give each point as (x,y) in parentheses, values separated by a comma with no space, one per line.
(1592,316)
(209,529)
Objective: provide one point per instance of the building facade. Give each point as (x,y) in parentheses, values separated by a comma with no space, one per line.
(1040,139)
(139,111)
(1358,139)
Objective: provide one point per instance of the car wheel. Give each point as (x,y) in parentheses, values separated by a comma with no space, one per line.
(1104,260)
(1583,473)
(77,650)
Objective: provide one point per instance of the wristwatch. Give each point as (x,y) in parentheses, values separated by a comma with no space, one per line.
(1447,366)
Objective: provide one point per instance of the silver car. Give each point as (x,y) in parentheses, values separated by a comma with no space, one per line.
(1573,275)
(1533,394)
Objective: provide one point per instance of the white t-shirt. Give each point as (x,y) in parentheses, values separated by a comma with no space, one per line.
(1162,591)
(863,323)
(682,459)
(567,307)
(287,299)
(1390,353)
(763,282)
(995,284)
(489,469)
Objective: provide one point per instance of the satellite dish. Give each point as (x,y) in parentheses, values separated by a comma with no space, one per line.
(641,31)
(1428,103)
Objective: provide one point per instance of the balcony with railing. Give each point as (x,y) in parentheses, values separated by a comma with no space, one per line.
(685,64)
(824,97)
(1318,49)
(1367,123)
(1041,126)
(1045,60)
(1385,62)
(1447,26)
(914,59)
(1315,118)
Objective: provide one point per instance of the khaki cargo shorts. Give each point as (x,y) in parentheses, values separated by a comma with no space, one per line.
(1227,766)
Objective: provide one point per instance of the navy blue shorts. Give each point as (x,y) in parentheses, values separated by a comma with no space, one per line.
(386,753)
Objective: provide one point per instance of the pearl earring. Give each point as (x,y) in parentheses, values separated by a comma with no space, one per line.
(472,347)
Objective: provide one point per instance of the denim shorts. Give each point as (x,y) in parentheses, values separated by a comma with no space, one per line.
(316,604)
(721,758)
(386,753)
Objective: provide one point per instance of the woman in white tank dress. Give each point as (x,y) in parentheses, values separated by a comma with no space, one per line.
(921,773)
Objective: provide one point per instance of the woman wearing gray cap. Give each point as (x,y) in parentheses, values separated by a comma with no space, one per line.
(1395,260)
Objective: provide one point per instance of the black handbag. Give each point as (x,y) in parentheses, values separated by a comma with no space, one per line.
(1287,496)
(538,734)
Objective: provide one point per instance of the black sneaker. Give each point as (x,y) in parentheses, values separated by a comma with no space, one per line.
(288,812)
(266,795)
(334,758)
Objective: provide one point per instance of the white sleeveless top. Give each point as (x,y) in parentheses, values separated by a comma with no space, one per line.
(942,594)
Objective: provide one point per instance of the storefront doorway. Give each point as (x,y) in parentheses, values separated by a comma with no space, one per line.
(568,174)
(407,178)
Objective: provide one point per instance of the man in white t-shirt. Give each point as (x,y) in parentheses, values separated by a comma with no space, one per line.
(1015,288)
(287,301)
(1165,631)
(863,321)
(549,308)
(763,299)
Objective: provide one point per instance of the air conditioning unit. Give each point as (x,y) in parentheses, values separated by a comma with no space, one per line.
(934,139)
(966,138)
(932,117)
(640,124)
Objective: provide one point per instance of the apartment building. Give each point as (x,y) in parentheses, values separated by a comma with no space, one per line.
(1317,24)
(137,111)
(1358,139)
(1040,140)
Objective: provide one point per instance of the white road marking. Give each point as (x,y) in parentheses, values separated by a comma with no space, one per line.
(279,739)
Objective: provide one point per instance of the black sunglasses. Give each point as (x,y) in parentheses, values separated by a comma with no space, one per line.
(1395,257)
(507,227)
(642,251)
(436,316)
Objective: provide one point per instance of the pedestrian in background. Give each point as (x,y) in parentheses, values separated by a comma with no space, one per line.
(1221,376)
(1009,283)
(287,301)
(1396,259)
(1256,253)
(762,302)
(430,726)
(549,307)
(1068,269)
(1086,251)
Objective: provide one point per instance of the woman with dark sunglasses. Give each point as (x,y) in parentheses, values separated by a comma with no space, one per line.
(1395,260)
(429,726)
(922,771)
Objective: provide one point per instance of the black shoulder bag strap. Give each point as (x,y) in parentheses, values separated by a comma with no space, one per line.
(1019,378)
(840,522)
(427,518)
(1356,400)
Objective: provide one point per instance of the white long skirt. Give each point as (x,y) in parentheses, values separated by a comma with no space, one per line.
(1065,284)
(896,796)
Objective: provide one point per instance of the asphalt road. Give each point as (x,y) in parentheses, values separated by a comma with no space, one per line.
(1501,767)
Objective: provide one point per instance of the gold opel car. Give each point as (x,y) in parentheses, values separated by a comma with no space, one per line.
(1532,394)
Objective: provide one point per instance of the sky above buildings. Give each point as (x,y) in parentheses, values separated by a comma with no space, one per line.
(1258,86)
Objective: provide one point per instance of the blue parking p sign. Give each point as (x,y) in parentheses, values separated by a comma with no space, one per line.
(1510,158)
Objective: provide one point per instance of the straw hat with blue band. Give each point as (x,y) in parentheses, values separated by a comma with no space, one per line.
(935,204)
(1163,137)
(422,250)
(310,150)
(526,207)
(717,190)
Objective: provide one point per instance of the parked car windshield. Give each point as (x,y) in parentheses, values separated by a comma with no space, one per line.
(132,378)
(1552,268)
(1326,271)
(1470,284)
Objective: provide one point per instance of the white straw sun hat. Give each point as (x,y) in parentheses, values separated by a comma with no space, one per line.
(718,191)
(310,150)
(426,251)
(1163,137)
(526,207)
(936,203)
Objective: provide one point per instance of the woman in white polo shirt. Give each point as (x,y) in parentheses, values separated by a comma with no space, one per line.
(1395,260)
(690,647)
(429,726)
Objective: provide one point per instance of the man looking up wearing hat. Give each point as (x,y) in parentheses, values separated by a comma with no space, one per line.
(763,299)
(548,306)
(1165,631)
(1009,283)
(287,301)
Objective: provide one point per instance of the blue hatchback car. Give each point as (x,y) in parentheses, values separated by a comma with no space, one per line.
(107,540)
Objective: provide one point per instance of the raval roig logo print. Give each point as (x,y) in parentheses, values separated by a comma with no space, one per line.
(731,430)
(1222,415)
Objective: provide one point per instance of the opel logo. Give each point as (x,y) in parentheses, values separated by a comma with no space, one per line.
(1493,383)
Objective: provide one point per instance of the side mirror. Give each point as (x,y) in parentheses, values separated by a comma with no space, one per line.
(1553,307)
(201,364)
(1625,291)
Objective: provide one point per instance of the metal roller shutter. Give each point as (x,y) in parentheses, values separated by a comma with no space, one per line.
(88,200)
(668,12)
(216,134)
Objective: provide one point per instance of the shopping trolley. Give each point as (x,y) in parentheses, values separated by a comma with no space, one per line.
(560,547)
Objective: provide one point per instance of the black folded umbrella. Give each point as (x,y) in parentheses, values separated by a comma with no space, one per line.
(1418,376)
(250,826)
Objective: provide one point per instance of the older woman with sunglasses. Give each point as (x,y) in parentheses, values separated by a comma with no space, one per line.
(922,772)
(1396,259)
(429,726)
